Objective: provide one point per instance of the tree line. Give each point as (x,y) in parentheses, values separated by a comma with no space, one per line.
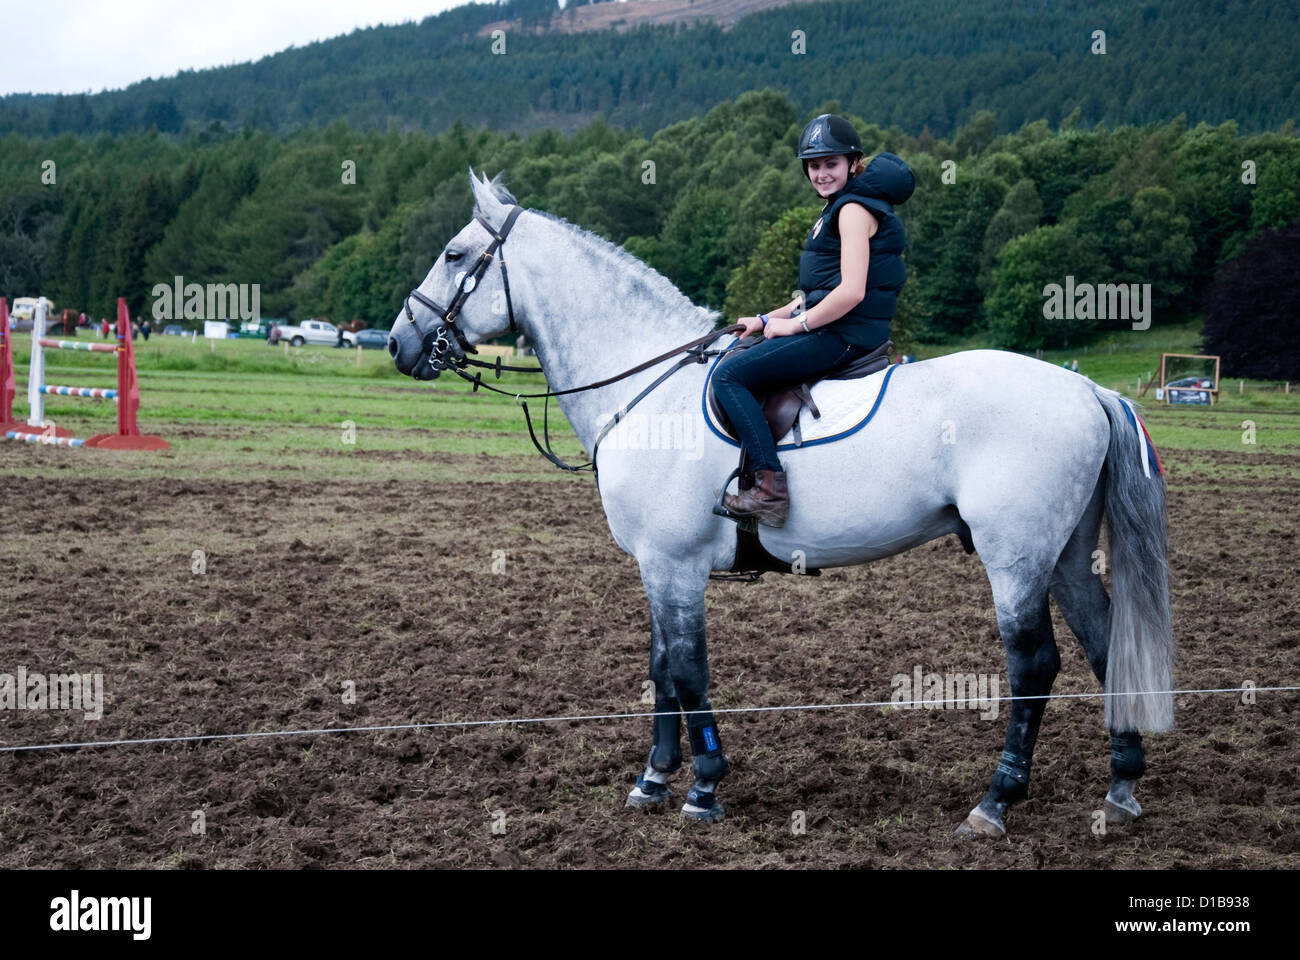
(717,203)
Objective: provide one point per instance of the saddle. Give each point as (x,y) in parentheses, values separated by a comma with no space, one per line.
(781,405)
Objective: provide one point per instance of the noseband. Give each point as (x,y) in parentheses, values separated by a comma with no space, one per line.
(443,351)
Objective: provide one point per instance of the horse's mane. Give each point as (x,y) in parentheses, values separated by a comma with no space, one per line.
(652,279)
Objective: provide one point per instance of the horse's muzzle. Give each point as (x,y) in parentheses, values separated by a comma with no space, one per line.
(407,357)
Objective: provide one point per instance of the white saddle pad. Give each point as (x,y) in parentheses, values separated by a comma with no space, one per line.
(845,406)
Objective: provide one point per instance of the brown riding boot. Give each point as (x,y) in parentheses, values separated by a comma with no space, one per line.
(767,501)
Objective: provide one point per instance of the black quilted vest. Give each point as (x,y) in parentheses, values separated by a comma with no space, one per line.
(886,181)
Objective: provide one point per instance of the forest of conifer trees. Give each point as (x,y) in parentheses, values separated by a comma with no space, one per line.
(1079,164)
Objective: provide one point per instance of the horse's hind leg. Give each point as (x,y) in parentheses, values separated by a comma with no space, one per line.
(1032,665)
(679,668)
(1081,595)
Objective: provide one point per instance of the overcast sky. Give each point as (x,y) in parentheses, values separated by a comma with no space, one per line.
(78,46)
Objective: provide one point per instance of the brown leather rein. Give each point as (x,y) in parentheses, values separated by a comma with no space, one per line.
(695,352)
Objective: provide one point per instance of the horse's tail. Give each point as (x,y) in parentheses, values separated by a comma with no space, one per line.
(1141,652)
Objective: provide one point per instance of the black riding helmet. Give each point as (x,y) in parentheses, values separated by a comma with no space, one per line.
(826,136)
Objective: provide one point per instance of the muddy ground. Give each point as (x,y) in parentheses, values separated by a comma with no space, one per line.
(303,597)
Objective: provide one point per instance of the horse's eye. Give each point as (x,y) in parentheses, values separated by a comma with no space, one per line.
(452,256)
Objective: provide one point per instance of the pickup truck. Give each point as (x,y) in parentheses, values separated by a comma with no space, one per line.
(316,331)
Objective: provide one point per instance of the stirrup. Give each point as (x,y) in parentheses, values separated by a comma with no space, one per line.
(720,508)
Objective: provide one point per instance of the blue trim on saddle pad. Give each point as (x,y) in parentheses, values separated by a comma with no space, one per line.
(704,409)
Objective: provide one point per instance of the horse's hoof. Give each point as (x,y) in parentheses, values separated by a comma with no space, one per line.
(648,795)
(713,814)
(702,806)
(1121,810)
(978,824)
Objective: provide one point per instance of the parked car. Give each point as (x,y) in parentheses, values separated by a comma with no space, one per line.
(372,339)
(1191,383)
(173,330)
(315,331)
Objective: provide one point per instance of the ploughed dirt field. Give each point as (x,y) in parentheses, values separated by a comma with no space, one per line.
(313,606)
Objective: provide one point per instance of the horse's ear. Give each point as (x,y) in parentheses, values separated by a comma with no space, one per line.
(485,203)
(476,185)
(489,197)
(499,189)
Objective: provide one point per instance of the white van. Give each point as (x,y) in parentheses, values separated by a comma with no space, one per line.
(20,316)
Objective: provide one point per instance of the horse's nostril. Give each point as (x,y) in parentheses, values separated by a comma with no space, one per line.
(392,346)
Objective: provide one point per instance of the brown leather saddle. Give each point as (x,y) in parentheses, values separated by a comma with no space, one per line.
(781,406)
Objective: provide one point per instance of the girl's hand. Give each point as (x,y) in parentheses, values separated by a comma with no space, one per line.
(752,325)
(778,327)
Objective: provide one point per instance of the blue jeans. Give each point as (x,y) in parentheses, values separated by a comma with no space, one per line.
(777,362)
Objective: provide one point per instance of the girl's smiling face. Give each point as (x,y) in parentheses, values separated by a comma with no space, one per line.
(828,174)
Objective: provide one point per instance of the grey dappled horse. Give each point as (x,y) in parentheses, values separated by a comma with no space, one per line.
(1025,454)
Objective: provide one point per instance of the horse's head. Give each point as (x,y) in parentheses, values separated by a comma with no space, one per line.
(466,281)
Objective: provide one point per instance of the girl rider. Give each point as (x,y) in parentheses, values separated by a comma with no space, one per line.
(850,273)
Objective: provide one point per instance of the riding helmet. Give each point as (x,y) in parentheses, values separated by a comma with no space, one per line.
(826,136)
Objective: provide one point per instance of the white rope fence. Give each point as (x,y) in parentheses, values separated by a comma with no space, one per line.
(928,703)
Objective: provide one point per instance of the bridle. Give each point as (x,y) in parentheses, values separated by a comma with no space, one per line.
(443,352)
(448,354)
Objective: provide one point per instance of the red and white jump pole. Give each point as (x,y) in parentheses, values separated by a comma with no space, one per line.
(127,394)
(7,389)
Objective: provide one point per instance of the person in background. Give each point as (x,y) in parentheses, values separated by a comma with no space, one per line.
(103,327)
(145,328)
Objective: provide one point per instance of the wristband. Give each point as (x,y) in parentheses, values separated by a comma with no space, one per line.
(763,317)
(803,322)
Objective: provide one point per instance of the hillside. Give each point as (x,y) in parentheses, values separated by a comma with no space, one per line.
(913,64)
(623,16)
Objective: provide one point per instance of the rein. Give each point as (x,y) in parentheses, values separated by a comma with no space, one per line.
(446,353)
(695,353)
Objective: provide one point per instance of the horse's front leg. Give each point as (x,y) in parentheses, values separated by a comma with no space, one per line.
(651,790)
(679,669)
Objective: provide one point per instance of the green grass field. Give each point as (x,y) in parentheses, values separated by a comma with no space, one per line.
(244,410)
